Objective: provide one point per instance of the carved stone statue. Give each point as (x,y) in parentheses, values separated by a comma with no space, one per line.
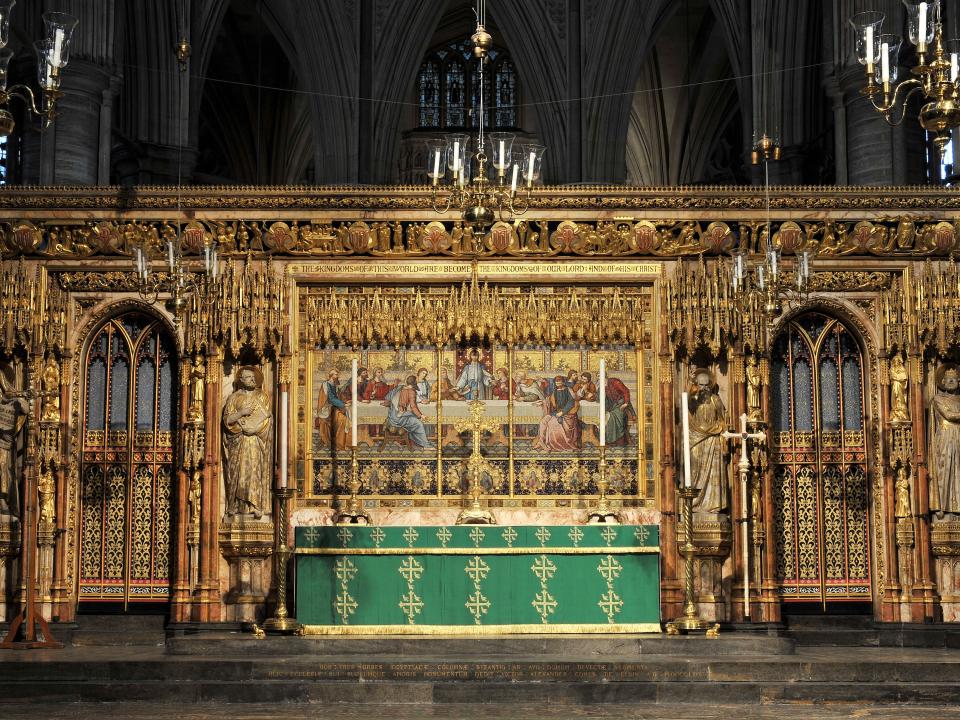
(50,381)
(198,377)
(944,455)
(899,413)
(46,490)
(14,409)
(194,497)
(902,494)
(246,435)
(708,419)
(755,413)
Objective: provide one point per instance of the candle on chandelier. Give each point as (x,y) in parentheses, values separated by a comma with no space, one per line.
(436,166)
(921,27)
(885,63)
(869,44)
(513,183)
(456,157)
(503,152)
(603,402)
(954,66)
(170,254)
(57,54)
(533,157)
(284,408)
(353,399)
(685,419)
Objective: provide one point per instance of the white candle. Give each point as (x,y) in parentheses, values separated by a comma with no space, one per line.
(456,156)
(922,26)
(513,183)
(885,62)
(869,44)
(603,402)
(503,151)
(353,397)
(284,408)
(57,53)
(170,254)
(685,417)
(436,165)
(533,157)
(954,67)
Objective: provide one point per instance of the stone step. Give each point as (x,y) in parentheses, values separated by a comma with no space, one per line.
(844,622)
(118,630)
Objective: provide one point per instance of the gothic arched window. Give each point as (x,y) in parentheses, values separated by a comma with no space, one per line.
(448,89)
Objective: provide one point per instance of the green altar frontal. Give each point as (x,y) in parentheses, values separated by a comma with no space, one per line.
(476,579)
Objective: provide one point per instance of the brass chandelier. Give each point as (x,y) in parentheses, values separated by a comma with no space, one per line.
(935,73)
(53,54)
(473,181)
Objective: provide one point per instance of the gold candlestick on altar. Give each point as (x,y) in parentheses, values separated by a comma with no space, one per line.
(281,623)
(353,514)
(690,621)
(603,513)
(474,513)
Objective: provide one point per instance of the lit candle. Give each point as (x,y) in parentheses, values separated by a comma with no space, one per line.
(513,183)
(922,26)
(503,152)
(284,407)
(353,398)
(456,156)
(533,157)
(869,44)
(436,166)
(603,402)
(685,417)
(885,62)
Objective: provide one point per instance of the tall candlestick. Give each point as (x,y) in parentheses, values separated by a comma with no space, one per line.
(685,418)
(284,409)
(603,402)
(353,399)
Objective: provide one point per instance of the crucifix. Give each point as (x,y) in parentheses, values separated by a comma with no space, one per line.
(474,514)
(744,467)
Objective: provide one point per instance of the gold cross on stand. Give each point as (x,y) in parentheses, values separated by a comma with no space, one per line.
(744,436)
(474,514)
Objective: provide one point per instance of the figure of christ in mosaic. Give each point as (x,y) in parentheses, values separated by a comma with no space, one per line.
(560,425)
(332,417)
(475,381)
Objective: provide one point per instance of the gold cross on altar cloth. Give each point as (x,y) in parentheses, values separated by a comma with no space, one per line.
(411,605)
(609,568)
(444,535)
(411,570)
(509,535)
(410,535)
(477,569)
(575,535)
(544,604)
(543,535)
(609,534)
(345,605)
(543,568)
(477,536)
(345,570)
(345,536)
(611,604)
(477,605)
(378,535)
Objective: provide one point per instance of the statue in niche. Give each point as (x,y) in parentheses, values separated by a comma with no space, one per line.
(944,455)
(198,379)
(50,381)
(898,391)
(901,507)
(755,413)
(46,492)
(708,419)
(246,436)
(14,408)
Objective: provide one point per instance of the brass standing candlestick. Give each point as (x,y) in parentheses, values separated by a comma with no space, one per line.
(475,513)
(353,514)
(281,623)
(603,513)
(690,621)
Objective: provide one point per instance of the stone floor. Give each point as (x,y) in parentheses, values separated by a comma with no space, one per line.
(98,711)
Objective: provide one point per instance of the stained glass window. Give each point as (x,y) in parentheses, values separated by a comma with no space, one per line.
(448,89)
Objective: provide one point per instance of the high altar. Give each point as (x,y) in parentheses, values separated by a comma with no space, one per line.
(191,443)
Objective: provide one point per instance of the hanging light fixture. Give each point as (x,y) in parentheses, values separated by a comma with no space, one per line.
(53,54)
(935,73)
(466,177)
